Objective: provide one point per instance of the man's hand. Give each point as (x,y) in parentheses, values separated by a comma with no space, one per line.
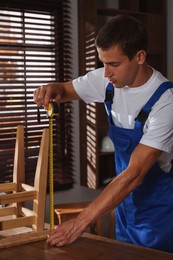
(66,233)
(43,94)
(58,92)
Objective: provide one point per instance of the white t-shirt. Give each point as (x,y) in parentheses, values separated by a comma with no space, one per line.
(127,103)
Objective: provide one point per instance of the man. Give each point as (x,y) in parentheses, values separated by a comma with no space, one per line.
(139,108)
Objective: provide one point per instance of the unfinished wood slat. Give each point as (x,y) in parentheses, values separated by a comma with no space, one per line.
(18,222)
(26,212)
(7,187)
(19,159)
(18,197)
(19,164)
(6,211)
(25,238)
(26,187)
(40,182)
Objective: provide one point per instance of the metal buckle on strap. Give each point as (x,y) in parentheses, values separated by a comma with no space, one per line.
(142,116)
(109,96)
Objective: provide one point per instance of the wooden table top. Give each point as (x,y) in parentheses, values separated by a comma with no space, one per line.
(88,247)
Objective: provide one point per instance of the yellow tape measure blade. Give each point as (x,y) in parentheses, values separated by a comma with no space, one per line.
(51,177)
(52,112)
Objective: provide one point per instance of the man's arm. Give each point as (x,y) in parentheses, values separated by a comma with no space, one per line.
(60,92)
(141,161)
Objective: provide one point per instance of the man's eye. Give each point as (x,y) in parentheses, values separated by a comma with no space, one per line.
(114,65)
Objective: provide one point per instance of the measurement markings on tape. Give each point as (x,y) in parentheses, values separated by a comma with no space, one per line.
(52,112)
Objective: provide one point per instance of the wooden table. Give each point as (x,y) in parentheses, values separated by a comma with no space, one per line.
(88,247)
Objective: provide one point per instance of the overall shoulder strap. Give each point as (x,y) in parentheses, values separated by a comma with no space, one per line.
(109,95)
(143,114)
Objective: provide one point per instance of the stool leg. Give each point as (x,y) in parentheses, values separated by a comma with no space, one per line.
(99,227)
(111,231)
(59,219)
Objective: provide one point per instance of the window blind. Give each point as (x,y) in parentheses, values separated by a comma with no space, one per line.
(87,62)
(34,50)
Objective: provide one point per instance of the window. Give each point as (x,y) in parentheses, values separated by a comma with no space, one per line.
(34,50)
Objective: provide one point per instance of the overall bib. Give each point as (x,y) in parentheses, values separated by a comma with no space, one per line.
(145,217)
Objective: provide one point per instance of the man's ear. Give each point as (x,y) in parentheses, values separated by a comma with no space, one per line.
(141,57)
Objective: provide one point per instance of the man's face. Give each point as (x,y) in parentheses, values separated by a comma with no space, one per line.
(118,68)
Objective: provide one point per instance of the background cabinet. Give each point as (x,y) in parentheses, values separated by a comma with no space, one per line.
(97,167)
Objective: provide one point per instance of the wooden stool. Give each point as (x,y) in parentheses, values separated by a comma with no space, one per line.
(16,216)
(67,211)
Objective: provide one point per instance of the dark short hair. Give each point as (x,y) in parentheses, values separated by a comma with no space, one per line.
(127,32)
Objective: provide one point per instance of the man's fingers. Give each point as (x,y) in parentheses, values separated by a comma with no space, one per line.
(41,96)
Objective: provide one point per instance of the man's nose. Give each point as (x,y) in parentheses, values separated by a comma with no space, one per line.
(107,72)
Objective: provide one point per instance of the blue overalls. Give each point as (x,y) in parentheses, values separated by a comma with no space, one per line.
(145,217)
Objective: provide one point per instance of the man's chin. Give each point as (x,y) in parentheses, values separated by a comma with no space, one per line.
(118,85)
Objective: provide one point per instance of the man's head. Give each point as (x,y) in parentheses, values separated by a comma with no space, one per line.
(126,32)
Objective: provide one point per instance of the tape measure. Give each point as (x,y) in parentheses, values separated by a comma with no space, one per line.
(53,109)
(52,112)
